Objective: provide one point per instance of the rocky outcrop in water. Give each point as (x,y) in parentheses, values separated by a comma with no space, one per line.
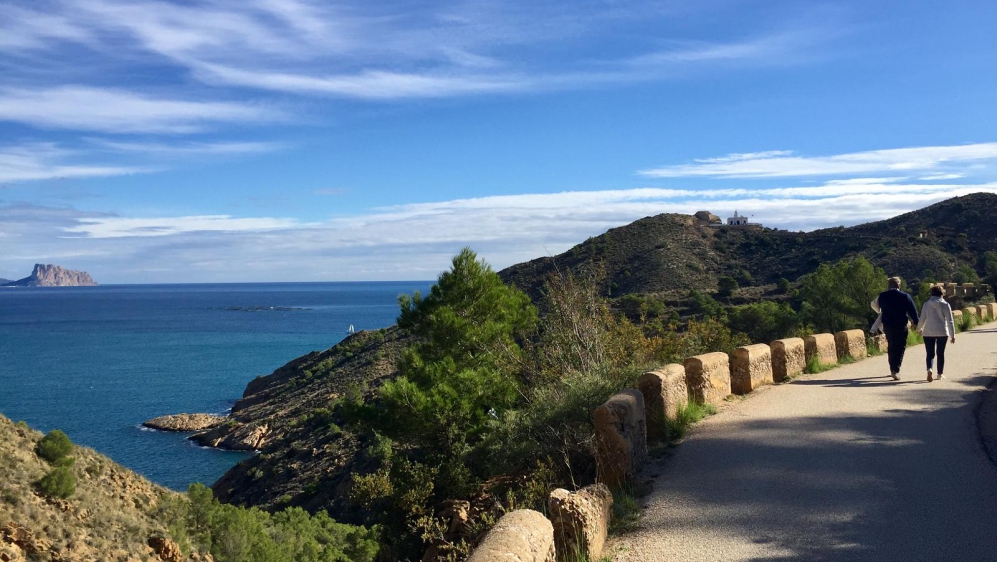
(185,422)
(55,276)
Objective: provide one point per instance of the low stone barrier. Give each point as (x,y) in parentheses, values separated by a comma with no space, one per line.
(982,310)
(823,347)
(956,316)
(581,521)
(950,290)
(708,377)
(788,358)
(523,535)
(620,438)
(665,393)
(850,343)
(960,291)
(969,311)
(993,310)
(750,368)
(878,342)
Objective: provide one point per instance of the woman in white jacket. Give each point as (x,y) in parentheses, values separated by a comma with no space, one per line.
(938,328)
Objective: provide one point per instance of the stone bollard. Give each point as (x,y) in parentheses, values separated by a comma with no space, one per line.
(581,521)
(950,290)
(620,438)
(665,393)
(523,535)
(878,342)
(788,358)
(982,310)
(708,378)
(823,347)
(969,311)
(750,368)
(956,316)
(992,307)
(850,343)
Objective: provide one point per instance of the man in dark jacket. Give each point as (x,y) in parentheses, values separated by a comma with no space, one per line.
(896,308)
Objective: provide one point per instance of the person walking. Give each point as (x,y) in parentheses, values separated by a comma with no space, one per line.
(896,307)
(938,328)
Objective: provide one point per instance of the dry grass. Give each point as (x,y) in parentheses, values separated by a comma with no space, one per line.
(107,518)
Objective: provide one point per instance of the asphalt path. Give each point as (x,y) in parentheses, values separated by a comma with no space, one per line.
(844,465)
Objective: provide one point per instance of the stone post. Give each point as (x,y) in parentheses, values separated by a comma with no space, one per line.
(750,368)
(708,377)
(823,347)
(620,438)
(788,358)
(665,393)
(581,521)
(850,343)
(523,535)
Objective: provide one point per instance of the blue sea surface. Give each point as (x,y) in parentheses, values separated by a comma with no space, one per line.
(98,361)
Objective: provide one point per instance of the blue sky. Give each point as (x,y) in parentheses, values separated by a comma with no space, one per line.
(299,140)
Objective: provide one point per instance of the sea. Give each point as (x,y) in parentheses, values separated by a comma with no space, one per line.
(96,362)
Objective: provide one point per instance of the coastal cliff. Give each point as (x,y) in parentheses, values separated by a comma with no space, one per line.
(54,276)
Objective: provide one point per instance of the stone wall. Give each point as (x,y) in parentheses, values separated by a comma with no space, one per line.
(788,358)
(665,393)
(850,343)
(708,378)
(982,310)
(620,438)
(581,521)
(993,310)
(956,316)
(523,535)
(750,368)
(969,311)
(823,346)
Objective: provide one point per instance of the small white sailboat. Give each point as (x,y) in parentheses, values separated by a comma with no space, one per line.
(350,330)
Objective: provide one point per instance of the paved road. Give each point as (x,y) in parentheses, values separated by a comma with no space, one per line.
(845,465)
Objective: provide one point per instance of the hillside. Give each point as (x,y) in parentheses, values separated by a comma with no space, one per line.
(307,459)
(108,518)
(671,254)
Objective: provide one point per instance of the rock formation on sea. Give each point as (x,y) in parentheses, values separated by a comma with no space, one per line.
(185,422)
(55,276)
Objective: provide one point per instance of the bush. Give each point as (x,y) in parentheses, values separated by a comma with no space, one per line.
(54,447)
(686,416)
(783,285)
(60,482)
(836,297)
(726,286)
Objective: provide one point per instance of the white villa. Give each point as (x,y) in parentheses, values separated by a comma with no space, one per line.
(740,220)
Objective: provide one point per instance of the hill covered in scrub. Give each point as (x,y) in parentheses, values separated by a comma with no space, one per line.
(672,254)
(108,517)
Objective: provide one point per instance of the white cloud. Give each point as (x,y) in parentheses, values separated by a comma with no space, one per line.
(119,227)
(120,111)
(783,164)
(188,148)
(417,240)
(43,161)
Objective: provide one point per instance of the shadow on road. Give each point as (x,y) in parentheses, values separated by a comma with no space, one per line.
(908,484)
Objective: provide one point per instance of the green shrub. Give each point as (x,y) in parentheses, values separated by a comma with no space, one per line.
(914,338)
(815,366)
(54,447)
(60,482)
(836,297)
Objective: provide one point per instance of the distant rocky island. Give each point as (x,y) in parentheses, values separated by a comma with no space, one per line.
(54,276)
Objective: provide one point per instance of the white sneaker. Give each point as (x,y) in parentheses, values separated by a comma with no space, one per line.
(896,376)
(940,376)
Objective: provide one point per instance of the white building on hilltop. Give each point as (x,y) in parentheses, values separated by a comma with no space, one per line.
(739,220)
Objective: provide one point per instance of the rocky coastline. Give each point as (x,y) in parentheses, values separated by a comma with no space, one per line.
(54,276)
(185,422)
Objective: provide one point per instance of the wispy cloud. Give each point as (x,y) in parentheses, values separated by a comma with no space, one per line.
(120,111)
(44,161)
(187,148)
(416,240)
(783,164)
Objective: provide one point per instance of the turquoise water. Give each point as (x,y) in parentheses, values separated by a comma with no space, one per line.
(97,361)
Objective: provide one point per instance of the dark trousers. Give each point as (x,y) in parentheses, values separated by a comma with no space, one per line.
(933,344)
(896,344)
